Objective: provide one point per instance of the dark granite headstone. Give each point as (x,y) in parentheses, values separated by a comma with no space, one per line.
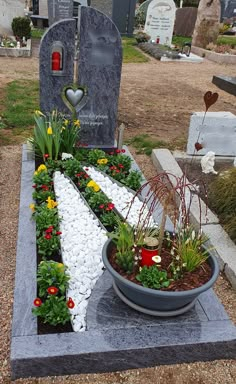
(123,13)
(227,83)
(59,10)
(59,38)
(99,70)
(185,19)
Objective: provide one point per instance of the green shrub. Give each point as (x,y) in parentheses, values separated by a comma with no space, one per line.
(222,192)
(21,27)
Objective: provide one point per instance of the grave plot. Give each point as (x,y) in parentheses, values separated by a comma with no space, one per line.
(117,337)
(111,336)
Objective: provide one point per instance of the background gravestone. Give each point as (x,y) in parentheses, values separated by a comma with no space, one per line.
(160,21)
(185,19)
(123,13)
(60,37)
(59,10)
(104,6)
(217,134)
(99,70)
(8,10)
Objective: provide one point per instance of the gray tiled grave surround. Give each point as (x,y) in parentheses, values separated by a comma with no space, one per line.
(118,337)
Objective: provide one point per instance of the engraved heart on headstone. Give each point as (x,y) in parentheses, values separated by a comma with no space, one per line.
(74,96)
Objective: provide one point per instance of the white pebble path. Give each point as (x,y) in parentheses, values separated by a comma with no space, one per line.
(120,196)
(82,240)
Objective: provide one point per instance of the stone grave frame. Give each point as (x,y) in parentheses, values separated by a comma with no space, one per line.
(118,338)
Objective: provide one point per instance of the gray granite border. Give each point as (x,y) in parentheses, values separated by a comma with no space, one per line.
(207,335)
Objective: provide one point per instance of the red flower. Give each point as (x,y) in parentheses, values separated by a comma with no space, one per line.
(52,290)
(45,187)
(86,176)
(78,184)
(118,151)
(111,153)
(58,233)
(120,165)
(46,156)
(49,229)
(70,303)
(37,302)
(78,174)
(48,236)
(101,206)
(34,186)
(113,167)
(123,150)
(110,206)
(117,171)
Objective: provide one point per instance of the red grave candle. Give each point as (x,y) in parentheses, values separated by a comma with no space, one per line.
(149,250)
(56,60)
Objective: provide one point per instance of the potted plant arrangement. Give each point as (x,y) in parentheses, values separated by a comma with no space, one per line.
(156,271)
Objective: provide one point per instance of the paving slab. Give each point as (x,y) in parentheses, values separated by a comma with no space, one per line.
(117,337)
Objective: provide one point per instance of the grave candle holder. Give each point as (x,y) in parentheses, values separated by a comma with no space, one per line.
(148,251)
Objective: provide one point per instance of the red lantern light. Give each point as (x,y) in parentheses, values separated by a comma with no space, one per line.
(56,61)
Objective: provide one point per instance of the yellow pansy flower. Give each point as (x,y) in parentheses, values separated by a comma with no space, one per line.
(51,203)
(60,266)
(94,186)
(41,168)
(77,123)
(32,207)
(102,161)
(49,131)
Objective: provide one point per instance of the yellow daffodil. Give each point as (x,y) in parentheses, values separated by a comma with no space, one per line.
(35,173)
(32,207)
(41,168)
(77,123)
(102,161)
(49,131)
(38,113)
(51,203)
(94,186)
(66,122)
(63,128)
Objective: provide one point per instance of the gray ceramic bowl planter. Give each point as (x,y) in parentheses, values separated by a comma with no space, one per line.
(152,301)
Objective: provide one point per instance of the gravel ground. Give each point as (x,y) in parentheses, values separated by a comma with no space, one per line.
(216,372)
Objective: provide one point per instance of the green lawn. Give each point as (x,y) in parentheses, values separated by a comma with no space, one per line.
(18,107)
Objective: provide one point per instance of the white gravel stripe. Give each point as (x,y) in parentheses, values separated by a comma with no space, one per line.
(120,196)
(82,240)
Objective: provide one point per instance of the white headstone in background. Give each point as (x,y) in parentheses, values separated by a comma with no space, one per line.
(160,21)
(217,133)
(8,10)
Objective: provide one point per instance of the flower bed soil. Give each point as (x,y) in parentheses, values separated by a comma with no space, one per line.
(189,280)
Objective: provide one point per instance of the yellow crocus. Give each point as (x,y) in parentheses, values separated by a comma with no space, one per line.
(94,186)
(49,131)
(38,113)
(51,203)
(102,161)
(32,207)
(41,168)
(77,123)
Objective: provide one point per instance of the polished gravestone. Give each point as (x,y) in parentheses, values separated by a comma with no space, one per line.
(99,71)
(60,38)
(93,96)
(227,83)
(117,337)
